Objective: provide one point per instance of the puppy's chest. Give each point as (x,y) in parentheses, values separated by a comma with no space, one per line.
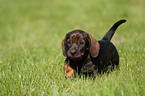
(76,65)
(85,65)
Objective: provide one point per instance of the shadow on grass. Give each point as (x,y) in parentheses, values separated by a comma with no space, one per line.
(92,76)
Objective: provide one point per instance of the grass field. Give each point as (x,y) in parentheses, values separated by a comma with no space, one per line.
(31,60)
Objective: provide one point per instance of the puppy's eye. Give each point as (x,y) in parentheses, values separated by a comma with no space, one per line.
(81,43)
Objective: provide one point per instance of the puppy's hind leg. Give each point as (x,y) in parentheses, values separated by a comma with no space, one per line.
(115,61)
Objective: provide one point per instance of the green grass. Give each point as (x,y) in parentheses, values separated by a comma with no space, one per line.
(31,60)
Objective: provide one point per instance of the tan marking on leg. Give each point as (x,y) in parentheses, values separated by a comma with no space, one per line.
(68,71)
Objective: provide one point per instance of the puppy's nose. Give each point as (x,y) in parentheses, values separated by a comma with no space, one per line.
(73,52)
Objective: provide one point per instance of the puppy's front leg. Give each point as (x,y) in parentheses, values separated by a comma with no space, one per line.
(68,71)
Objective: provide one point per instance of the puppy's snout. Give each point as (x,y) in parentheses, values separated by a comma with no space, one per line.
(72,52)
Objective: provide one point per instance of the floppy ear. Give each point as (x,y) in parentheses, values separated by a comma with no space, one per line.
(93,46)
(63,47)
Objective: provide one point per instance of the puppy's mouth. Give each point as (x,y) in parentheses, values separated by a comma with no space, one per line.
(76,57)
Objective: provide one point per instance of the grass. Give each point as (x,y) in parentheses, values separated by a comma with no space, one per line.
(31,60)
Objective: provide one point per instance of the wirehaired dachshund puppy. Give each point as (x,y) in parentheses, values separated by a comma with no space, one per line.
(85,55)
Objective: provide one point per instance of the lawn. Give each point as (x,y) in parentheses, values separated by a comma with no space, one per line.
(31,59)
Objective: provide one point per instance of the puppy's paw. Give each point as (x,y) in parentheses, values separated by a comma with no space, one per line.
(70,75)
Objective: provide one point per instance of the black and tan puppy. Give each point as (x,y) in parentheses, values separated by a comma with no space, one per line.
(85,55)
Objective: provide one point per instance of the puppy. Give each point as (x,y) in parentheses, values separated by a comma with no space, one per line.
(85,55)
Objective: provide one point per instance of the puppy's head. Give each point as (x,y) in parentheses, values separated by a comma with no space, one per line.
(76,44)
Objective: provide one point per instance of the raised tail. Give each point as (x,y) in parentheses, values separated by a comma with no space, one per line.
(112,30)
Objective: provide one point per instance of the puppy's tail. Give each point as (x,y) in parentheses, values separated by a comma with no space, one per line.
(112,30)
